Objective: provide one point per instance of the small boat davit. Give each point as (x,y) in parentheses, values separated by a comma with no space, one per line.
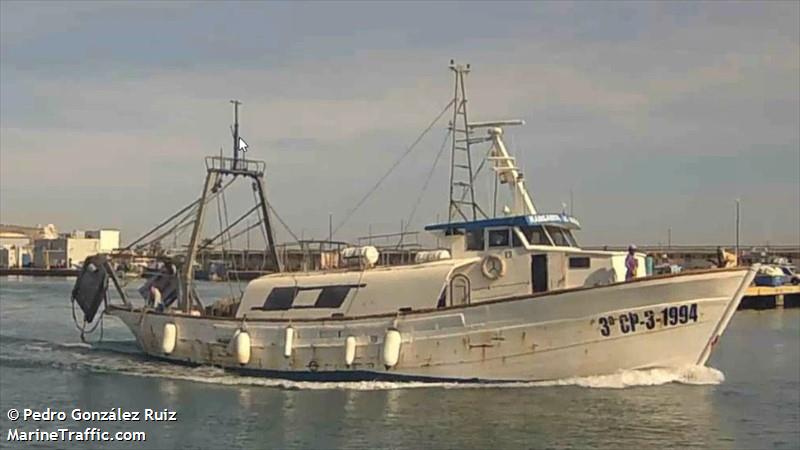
(505,297)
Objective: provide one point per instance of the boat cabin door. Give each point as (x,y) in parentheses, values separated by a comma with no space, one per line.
(459,290)
(539,279)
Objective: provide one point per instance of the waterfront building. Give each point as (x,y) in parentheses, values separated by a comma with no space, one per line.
(67,251)
(109,238)
(14,256)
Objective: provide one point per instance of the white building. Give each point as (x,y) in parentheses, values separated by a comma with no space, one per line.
(7,258)
(66,251)
(109,239)
(14,256)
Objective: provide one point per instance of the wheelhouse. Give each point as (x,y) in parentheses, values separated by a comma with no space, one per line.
(525,231)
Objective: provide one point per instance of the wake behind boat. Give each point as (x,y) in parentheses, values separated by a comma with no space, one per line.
(508,297)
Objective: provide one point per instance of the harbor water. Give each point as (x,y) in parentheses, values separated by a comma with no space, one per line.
(748,398)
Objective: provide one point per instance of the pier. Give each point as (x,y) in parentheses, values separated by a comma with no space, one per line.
(37,272)
(704,256)
(765,297)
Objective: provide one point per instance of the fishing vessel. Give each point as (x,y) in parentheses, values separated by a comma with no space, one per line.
(506,297)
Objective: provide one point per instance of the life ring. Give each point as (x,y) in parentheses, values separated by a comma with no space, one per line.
(493,267)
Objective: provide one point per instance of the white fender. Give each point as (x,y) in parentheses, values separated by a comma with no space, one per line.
(288,342)
(391,348)
(349,350)
(241,346)
(170,338)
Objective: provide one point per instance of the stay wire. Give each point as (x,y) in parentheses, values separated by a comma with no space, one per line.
(182,223)
(222,240)
(277,216)
(391,169)
(230,245)
(477,172)
(425,186)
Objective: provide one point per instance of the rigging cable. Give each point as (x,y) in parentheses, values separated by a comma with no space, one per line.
(260,219)
(277,216)
(184,222)
(180,225)
(478,170)
(263,229)
(424,187)
(170,219)
(209,241)
(245,230)
(222,241)
(230,245)
(394,166)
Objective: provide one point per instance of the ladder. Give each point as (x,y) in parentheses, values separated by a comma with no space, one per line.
(463,206)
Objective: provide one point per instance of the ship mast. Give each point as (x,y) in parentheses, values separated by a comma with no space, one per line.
(217,168)
(462,189)
(236,104)
(463,206)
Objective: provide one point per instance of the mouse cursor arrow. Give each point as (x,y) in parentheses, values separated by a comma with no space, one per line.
(242,145)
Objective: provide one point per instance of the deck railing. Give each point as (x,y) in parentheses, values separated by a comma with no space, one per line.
(241,165)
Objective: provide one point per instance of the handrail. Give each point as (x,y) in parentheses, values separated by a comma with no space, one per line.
(225,164)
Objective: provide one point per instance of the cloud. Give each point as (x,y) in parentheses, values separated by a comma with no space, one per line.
(331,103)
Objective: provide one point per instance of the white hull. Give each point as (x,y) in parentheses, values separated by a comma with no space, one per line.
(575,332)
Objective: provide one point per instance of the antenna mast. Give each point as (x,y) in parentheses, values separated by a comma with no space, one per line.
(462,191)
(236,104)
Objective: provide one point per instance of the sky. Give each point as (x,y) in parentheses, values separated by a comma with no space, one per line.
(657,116)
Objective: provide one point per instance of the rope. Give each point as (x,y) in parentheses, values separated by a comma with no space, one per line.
(158,227)
(277,216)
(478,170)
(263,229)
(245,230)
(391,169)
(182,224)
(260,219)
(230,244)
(222,231)
(424,187)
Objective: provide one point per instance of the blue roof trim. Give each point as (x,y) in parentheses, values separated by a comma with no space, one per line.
(558,220)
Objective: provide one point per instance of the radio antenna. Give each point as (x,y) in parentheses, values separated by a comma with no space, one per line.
(236,104)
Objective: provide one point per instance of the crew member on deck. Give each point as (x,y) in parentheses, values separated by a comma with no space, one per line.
(155,298)
(725,258)
(631,263)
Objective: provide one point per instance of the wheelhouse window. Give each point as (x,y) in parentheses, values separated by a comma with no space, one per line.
(579,262)
(475,239)
(515,239)
(332,296)
(280,298)
(571,237)
(499,238)
(559,238)
(535,235)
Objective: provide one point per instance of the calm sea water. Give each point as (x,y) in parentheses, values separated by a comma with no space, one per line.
(749,399)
